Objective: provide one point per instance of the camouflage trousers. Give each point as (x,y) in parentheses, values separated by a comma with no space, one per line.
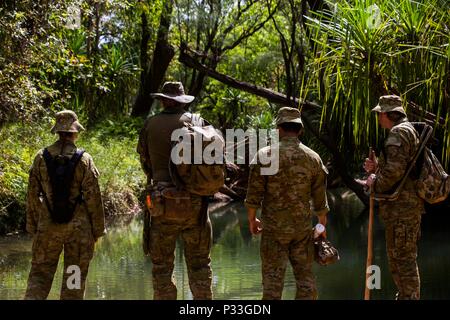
(197,240)
(275,251)
(402,235)
(78,247)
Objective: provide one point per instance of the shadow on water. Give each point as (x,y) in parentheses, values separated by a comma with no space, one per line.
(119,269)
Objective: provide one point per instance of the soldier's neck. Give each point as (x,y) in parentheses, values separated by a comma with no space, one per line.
(393,124)
(288,134)
(66,141)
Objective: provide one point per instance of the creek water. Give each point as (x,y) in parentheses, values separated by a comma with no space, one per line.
(119,270)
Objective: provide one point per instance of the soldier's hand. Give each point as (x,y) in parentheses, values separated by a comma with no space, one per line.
(255,226)
(370,165)
(370,180)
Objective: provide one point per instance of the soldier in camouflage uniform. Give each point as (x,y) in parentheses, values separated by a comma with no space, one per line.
(286,218)
(154,148)
(77,237)
(401,217)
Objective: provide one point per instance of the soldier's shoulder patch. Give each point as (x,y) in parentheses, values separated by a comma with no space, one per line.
(88,163)
(38,159)
(393,139)
(95,171)
(91,165)
(86,158)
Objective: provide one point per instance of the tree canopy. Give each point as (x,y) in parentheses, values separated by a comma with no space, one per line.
(242,59)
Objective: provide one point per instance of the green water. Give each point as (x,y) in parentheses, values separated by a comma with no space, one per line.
(119,270)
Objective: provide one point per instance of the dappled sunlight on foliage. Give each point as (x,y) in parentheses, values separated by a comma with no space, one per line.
(121,177)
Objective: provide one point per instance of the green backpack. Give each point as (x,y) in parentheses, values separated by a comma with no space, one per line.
(431,180)
(200,178)
(433,183)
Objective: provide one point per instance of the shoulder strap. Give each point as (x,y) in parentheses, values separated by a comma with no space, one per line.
(72,165)
(48,159)
(195,119)
(51,169)
(76,156)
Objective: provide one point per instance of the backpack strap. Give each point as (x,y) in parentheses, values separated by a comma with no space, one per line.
(195,119)
(76,157)
(51,170)
(72,165)
(48,160)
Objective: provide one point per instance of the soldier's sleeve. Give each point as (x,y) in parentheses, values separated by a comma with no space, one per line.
(93,199)
(319,199)
(142,149)
(33,202)
(395,162)
(256,186)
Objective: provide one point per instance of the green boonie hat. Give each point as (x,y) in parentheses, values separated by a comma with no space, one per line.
(66,121)
(173,91)
(287,114)
(390,103)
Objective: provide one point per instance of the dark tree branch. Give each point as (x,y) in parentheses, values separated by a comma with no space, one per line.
(271,95)
(249,33)
(276,97)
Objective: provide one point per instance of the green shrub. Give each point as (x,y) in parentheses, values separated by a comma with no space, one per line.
(111,143)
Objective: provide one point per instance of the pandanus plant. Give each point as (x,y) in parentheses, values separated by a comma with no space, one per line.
(363,49)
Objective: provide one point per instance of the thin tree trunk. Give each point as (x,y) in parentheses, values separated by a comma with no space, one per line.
(153,76)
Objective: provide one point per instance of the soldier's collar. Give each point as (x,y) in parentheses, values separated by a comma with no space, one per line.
(67,144)
(288,138)
(174,110)
(405,119)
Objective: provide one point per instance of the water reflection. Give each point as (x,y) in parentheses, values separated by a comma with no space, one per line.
(120,271)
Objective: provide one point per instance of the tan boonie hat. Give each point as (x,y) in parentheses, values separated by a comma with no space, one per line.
(287,114)
(66,121)
(389,103)
(173,91)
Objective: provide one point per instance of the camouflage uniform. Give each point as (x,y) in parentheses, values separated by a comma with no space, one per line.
(76,238)
(287,214)
(154,148)
(401,217)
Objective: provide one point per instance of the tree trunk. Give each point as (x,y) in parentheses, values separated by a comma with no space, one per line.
(153,76)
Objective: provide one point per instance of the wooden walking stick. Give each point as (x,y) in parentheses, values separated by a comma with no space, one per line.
(370,232)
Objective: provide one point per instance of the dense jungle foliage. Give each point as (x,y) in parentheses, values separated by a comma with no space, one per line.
(103,58)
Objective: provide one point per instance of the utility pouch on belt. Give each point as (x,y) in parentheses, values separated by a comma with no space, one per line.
(155,204)
(177,204)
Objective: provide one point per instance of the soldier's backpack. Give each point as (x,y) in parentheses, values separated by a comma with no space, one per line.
(61,170)
(205,178)
(433,183)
